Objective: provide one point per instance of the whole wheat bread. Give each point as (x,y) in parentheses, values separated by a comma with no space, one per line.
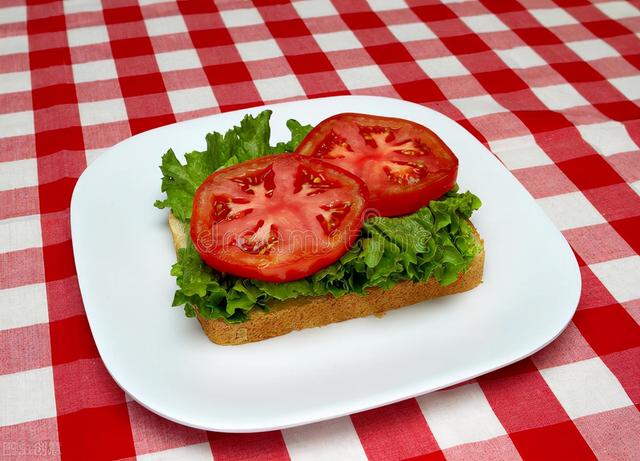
(306,312)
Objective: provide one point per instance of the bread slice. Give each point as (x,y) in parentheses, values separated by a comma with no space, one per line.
(306,312)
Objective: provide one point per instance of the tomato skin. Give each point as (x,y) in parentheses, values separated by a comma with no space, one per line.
(387,197)
(272,199)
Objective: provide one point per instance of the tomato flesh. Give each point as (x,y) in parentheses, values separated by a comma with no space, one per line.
(277,218)
(405,165)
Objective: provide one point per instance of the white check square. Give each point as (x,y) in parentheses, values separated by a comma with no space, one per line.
(620,277)
(92,154)
(520,152)
(447,66)
(178,60)
(23,306)
(241,17)
(586,387)
(412,32)
(81,6)
(559,97)
(314,8)
(98,112)
(14,45)
(197,452)
(628,86)
(14,82)
(484,23)
(477,106)
(165,25)
(20,233)
(283,87)
(324,441)
(521,57)
(590,50)
(551,17)
(17,123)
(13,14)
(568,211)
(192,99)
(460,415)
(386,5)
(17,174)
(608,138)
(618,10)
(88,35)
(94,70)
(336,41)
(27,396)
(363,77)
(258,50)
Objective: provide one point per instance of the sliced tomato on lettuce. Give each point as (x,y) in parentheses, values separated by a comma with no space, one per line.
(277,218)
(405,165)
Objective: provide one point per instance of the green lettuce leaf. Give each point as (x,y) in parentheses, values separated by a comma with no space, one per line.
(435,241)
(245,142)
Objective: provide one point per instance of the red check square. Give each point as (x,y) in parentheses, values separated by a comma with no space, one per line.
(608,329)
(563,439)
(54,95)
(137,85)
(210,38)
(420,91)
(590,172)
(46,24)
(622,111)
(538,36)
(71,340)
(465,44)
(51,141)
(390,53)
(309,63)
(138,125)
(96,433)
(432,13)
(130,47)
(227,73)
(364,20)
(501,81)
(122,14)
(56,196)
(575,72)
(628,229)
(48,58)
(606,28)
(291,28)
(268,445)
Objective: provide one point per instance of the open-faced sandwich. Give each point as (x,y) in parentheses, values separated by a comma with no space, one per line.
(354,217)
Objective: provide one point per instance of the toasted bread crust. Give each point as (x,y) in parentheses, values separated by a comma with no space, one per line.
(307,312)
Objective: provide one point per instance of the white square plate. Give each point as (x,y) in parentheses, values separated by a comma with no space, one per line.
(123,253)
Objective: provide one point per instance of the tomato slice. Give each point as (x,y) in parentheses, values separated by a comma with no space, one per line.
(277,218)
(405,165)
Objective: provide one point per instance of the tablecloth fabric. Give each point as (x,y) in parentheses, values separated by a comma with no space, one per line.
(551,87)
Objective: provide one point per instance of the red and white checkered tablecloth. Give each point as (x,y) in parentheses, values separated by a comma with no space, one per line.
(552,87)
